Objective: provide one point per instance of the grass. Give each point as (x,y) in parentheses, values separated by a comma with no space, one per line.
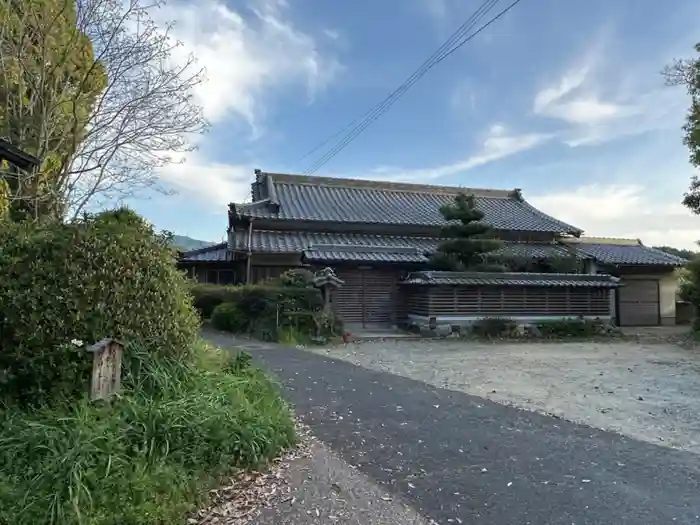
(150,456)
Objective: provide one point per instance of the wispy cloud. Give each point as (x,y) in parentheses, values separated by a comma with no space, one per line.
(595,102)
(623,211)
(246,60)
(497,144)
(246,57)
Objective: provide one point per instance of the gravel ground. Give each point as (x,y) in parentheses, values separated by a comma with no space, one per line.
(648,392)
(459,458)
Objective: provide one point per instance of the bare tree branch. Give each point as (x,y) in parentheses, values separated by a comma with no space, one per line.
(95,145)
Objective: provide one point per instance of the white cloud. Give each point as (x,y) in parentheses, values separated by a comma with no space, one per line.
(243,57)
(246,59)
(623,211)
(213,183)
(497,144)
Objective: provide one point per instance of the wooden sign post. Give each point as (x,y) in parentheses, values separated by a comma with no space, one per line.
(106,368)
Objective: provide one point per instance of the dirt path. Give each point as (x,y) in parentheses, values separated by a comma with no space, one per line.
(648,392)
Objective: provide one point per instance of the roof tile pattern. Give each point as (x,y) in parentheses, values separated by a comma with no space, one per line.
(382,204)
(627,254)
(364,256)
(215,253)
(285,241)
(511,279)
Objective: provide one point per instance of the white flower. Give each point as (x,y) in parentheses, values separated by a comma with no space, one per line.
(77,342)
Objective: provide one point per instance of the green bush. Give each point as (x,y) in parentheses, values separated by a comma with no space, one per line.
(107,275)
(493,327)
(206,297)
(229,318)
(150,456)
(296,277)
(265,310)
(574,327)
(254,299)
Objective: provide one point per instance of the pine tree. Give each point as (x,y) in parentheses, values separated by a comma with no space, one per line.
(466,245)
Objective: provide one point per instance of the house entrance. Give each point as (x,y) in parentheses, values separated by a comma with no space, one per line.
(368,296)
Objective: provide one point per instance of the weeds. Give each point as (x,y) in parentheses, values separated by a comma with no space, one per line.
(146,458)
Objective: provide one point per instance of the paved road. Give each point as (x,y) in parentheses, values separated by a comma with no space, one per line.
(462,459)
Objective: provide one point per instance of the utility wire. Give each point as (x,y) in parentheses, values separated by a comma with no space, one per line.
(459,33)
(443,52)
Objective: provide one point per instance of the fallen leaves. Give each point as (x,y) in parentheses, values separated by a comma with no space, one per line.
(246,493)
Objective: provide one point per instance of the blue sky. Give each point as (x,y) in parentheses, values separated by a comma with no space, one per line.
(561,98)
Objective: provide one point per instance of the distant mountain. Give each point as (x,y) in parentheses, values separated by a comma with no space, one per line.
(188,243)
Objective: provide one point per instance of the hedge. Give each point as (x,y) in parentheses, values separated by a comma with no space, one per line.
(254,299)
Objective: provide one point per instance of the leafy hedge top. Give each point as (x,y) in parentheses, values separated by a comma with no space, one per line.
(105,276)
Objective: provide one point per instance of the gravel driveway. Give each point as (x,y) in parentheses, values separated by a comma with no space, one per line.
(649,392)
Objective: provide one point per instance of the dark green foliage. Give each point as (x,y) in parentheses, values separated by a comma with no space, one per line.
(286,313)
(229,317)
(493,327)
(690,290)
(685,254)
(149,457)
(296,277)
(686,73)
(107,275)
(551,265)
(206,297)
(465,245)
(255,299)
(563,328)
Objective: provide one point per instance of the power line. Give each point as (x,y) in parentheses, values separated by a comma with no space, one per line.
(487,5)
(443,52)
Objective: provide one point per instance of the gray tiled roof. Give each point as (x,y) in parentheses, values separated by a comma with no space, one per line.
(627,254)
(535,251)
(511,279)
(215,253)
(291,197)
(368,255)
(290,241)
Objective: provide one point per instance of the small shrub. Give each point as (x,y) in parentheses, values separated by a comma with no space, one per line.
(262,310)
(229,317)
(296,278)
(206,297)
(575,327)
(493,327)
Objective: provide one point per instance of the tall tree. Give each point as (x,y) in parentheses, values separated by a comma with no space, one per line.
(49,83)
(466,241)
(93,89)
(686,72)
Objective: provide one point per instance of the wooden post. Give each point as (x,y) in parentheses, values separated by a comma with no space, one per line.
(106,368)
(248,268)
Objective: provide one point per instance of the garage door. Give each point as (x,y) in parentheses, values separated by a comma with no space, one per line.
(638,302)
(368,296)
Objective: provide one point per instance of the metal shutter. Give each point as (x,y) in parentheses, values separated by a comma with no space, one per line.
(638,302)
